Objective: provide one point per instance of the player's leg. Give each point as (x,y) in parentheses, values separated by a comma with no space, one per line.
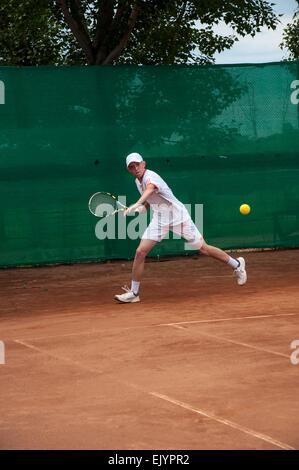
(214,252)
(154,233)
(131,294)
(238,265)
(189,231)
(143,249)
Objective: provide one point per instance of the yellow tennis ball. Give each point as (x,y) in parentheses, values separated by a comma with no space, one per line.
(244,209)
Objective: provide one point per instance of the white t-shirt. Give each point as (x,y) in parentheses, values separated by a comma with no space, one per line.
(165,205)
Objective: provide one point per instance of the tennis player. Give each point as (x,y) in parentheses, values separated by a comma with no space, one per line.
(168,214)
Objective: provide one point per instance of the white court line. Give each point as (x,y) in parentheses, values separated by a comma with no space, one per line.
(220,338)
(71,361)
(59,358)
(247,345)
(168,399)
(227,319)
(224,421)
(124,328)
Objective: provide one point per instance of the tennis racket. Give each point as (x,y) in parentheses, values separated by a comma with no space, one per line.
(104,205)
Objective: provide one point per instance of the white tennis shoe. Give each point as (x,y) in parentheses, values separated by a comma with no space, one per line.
(241,272)
(128,297)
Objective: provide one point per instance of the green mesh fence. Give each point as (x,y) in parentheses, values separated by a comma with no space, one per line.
(219,135)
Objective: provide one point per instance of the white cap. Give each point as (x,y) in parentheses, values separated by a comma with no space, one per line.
(133,157)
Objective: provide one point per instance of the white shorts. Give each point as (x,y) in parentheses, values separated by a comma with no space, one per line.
(187,230)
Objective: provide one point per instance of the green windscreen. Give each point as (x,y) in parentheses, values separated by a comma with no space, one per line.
(220,136)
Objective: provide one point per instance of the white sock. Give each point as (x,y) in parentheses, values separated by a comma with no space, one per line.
(234,263)
(135,287)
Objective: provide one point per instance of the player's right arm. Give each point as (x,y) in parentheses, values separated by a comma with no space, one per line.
(149,190)
(143,208)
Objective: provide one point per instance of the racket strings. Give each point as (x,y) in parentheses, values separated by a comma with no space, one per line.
(104,205)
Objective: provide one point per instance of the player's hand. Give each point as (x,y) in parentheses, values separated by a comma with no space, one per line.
(131,209)
(141,209)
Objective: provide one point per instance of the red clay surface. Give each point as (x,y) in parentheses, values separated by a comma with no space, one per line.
(200,363)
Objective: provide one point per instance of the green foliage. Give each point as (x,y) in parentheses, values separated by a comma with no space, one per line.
(82,32)
(28,34)
(291,37)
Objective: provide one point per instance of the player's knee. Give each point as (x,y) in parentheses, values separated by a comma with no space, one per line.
(140,253)
(204,250)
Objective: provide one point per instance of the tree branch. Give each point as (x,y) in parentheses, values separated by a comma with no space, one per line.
(105,17)
(123,42)
(178,21)
(120,9)
(77,27)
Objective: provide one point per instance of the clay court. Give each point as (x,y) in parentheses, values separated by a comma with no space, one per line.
(200,363)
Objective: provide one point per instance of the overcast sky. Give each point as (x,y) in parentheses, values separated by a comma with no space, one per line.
(264,47)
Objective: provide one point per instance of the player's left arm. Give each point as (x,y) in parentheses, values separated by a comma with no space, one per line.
(150,188)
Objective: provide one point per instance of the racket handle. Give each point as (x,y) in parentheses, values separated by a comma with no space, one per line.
(121,205)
